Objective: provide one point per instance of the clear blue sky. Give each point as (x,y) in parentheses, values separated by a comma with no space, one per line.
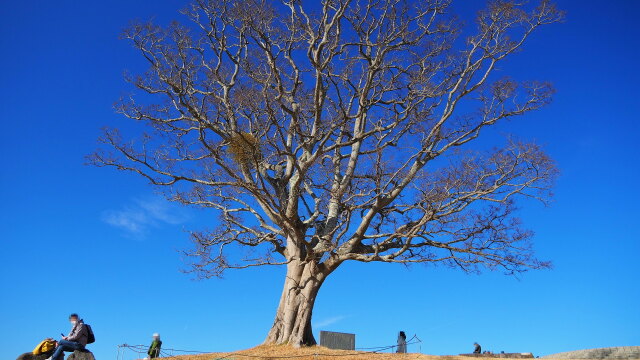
(75,238)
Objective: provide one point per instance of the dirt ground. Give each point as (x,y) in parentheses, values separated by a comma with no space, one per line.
(271,352)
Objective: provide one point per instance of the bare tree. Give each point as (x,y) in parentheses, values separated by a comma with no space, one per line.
(333,131)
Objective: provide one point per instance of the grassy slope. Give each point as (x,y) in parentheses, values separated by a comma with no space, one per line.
(271,352)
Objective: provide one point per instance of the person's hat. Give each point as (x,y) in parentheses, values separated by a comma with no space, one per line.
(156,335)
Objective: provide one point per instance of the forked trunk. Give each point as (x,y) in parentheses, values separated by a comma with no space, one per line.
(292,324)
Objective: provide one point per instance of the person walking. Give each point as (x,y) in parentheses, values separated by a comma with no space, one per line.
(402,343)
(154,348)
(76,340)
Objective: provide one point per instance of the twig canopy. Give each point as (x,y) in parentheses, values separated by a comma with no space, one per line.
(339,130)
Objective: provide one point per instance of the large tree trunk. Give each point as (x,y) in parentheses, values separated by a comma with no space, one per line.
(292,324)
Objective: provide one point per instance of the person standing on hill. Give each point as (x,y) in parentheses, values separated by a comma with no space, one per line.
(154,349)
(477,348)
(76,340)
(402,343)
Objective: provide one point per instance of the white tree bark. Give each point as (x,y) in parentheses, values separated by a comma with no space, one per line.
(292,323)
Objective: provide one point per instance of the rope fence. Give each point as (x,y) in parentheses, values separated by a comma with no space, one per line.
(141,351)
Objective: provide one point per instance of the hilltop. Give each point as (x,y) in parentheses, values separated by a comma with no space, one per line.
(272,352)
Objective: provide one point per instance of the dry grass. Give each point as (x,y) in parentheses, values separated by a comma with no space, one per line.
(270,352)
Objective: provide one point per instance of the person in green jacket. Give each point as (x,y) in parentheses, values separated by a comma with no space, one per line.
(154,349)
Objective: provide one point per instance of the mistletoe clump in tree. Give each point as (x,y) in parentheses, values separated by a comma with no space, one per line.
(337,131)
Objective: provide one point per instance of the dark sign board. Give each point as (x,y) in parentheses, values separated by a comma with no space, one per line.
(338,341)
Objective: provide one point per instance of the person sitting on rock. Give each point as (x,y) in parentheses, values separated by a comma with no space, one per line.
(154,349)
(477,348)
(76,340)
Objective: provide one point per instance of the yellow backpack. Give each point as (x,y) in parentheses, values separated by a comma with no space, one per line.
(44,347)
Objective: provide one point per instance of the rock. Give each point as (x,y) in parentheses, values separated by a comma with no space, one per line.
(30,356)
(76,355)
(81,355)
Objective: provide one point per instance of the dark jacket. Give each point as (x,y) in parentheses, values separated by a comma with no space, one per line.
(402,344)
(79,333)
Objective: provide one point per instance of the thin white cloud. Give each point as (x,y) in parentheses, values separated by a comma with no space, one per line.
(329,321)
(142,214)
(131,220)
